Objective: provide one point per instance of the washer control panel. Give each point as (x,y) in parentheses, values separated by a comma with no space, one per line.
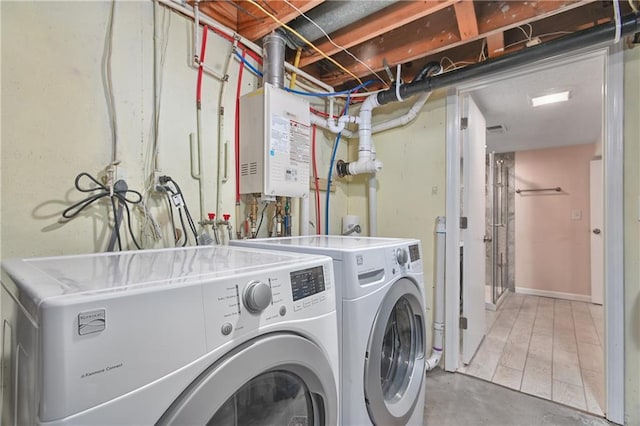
(405,258)
(248,302)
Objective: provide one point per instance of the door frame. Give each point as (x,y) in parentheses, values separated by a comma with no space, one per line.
(613,145)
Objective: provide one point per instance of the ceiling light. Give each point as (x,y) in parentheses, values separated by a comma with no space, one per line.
(551,99)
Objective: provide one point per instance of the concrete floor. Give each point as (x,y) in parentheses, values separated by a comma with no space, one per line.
(456,399)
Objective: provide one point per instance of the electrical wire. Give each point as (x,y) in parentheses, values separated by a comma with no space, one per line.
(261,218)
(165,181)
(108,83)
(344,49)
(633,6)
(616,14)
(100,191)
(301,37)
(538,36)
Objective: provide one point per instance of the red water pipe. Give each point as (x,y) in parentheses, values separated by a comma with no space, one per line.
(201,65)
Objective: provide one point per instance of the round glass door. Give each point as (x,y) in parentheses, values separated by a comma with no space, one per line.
(275,379)
(399,348)
(395,364)
(273,398)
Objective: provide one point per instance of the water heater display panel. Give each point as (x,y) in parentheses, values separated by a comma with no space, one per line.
(307,282)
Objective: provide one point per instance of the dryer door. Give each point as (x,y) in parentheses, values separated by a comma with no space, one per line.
(395,364)
(279,379)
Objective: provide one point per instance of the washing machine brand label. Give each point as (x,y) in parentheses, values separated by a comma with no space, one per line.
(91,321)
(101,370)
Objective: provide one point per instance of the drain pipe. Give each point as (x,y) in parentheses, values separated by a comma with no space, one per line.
(438,324)
(599,34)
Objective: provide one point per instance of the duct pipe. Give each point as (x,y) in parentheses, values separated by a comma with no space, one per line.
(603,33)
(438,324)
(273,55)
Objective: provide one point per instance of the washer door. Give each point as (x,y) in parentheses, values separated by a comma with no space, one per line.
(281,379)
(395,364)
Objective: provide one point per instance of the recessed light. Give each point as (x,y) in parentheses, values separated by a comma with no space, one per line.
(551,98)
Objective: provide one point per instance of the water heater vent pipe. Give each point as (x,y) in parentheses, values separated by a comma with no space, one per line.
(273,67)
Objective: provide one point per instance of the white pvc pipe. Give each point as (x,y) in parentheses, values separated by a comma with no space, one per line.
(373,206)
(405,119)
(438,323)
(330,125)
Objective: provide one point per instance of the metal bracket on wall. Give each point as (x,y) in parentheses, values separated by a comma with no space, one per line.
(463,323)
(463,222)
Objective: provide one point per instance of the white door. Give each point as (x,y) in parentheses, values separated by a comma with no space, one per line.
(597,240)
(473,208)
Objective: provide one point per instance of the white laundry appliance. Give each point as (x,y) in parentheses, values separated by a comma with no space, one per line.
(219,335)
(381,317)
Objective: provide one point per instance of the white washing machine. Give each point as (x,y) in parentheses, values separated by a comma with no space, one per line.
(217,335)
(381,318)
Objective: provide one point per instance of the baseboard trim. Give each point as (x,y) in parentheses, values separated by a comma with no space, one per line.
(554,294)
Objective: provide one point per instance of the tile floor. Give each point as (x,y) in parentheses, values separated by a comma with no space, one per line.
(549,348)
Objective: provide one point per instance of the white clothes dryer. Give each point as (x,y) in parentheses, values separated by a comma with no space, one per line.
(207,335)
(381,311)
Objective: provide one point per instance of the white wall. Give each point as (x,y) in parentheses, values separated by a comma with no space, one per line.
(55,120)
(632,235)
(552,232)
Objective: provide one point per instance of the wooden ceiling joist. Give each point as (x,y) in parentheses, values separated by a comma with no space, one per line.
(413,42)
(466,18)
(495,44)
(381,22)
(255,24)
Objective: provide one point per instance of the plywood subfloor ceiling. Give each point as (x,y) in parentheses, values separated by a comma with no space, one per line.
(412,33)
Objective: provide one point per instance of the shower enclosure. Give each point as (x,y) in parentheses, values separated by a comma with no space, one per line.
(498,228)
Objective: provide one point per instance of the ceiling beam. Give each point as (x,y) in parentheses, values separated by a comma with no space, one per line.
(495,44)
(381,22)
(255,24)
(466,18)
(223,12)
(433,34)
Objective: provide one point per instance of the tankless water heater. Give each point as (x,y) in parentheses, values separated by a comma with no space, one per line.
(275,145)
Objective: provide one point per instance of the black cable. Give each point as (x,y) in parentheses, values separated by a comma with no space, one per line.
(118,193)
(173,193)
(167,179)
(261,218)
(173,222)
(116,224)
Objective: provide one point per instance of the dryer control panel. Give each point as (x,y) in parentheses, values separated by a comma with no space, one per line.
(250,303)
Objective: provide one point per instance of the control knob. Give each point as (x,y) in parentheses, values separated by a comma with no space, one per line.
(401,256)
(257,296)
